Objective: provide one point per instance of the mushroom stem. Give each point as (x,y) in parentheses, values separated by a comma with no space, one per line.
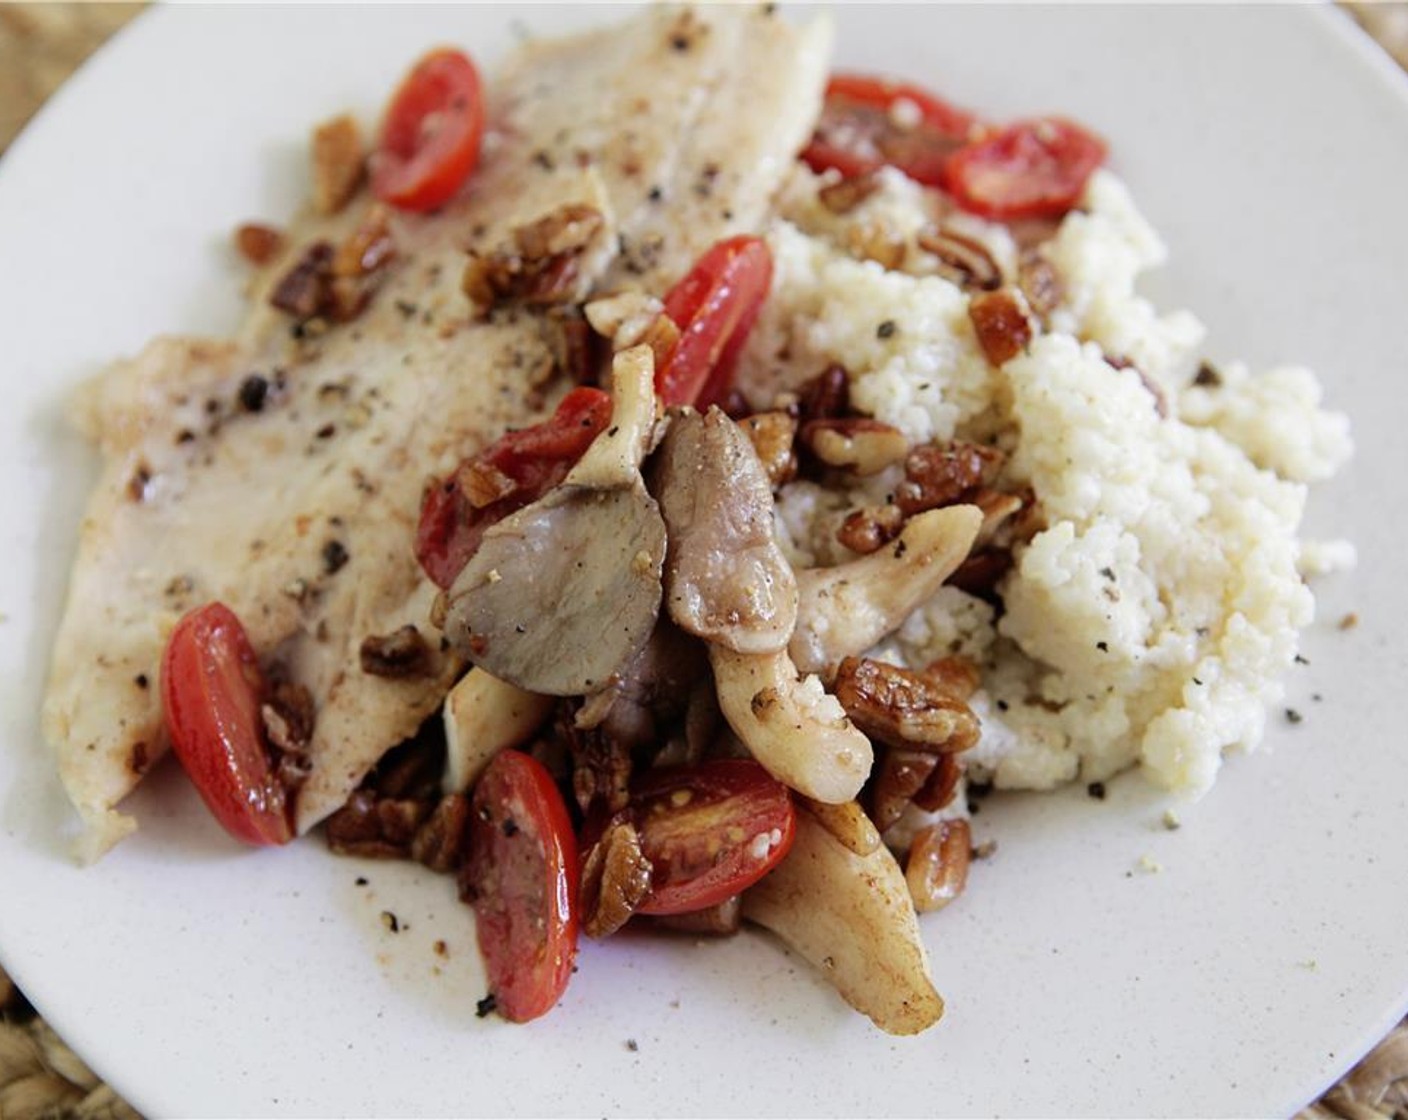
(844,610)
(795,728)
(613,460)
(484,715)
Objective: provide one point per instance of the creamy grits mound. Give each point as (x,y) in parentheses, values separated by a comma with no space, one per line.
(1151,617)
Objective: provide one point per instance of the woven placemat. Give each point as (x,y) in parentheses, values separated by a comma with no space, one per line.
(40,1077)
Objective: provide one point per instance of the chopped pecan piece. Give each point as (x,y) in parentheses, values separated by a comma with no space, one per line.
(720,920)
(400,654)
(1040,283)
(338,163)
(826,396)
(876,241)
(940,476)
(939,790)
(855,444)
(904,709)
(772,435)
(440,841)
(937,868)
(377,827)
(601,765)
(615,879)
(1001,322)
(845,196)
(257,243)
(980,572)
(288,716)
(963,260)
(304,289)
(869,530)
(899,776)
(540,267)
(357,266)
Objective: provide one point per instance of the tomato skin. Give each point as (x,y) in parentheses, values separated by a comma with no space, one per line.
(857,132)
(431,134)
(534,459)
(685,817)
(1030,169)
(715,306)
(211,692)
(521,877)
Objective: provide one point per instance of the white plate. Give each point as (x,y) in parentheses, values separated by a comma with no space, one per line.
(1270,145)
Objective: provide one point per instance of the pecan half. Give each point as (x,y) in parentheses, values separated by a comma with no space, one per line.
(940,476)
(400,654)
(937,868)
(939,790)
(963,260)
(1001,322)
(615,879)
(854,444)
(338,163)
(904,709)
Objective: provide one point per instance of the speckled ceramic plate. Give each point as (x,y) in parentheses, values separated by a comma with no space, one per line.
(1268,144)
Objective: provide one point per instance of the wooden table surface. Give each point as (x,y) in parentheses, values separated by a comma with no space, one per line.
(40,45)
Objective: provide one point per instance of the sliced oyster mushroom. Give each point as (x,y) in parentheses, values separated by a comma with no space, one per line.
(846,609)
(794,727)
(850,915)
(484,715)
(564,592)
(725,578)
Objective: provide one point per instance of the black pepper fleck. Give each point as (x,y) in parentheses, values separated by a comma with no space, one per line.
(361,881)
(1302,660)
(1103,647)
(1002,705)
(632,1045)
(390,921)
(1293,716)
(1096,790)
(510,827)
(141,681)
(885,329)
(1108,573)
(254,391)
(334,557)
(486,1006)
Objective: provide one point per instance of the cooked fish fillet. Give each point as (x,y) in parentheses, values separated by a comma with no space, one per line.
(283,476)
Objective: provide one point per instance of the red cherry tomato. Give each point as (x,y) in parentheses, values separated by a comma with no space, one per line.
(867,123)
(1031,169)
(532,461)
(715,307)
(709,831)
(430,137)
(521,878)
(211,691)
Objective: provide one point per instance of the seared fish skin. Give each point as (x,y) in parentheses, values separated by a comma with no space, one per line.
(284,476)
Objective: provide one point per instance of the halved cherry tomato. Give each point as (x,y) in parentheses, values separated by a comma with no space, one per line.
(533,460)
(709,831)
(1031,169)
(211,691)
(715,307)
(521,878)
(430,137)
(867,123)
